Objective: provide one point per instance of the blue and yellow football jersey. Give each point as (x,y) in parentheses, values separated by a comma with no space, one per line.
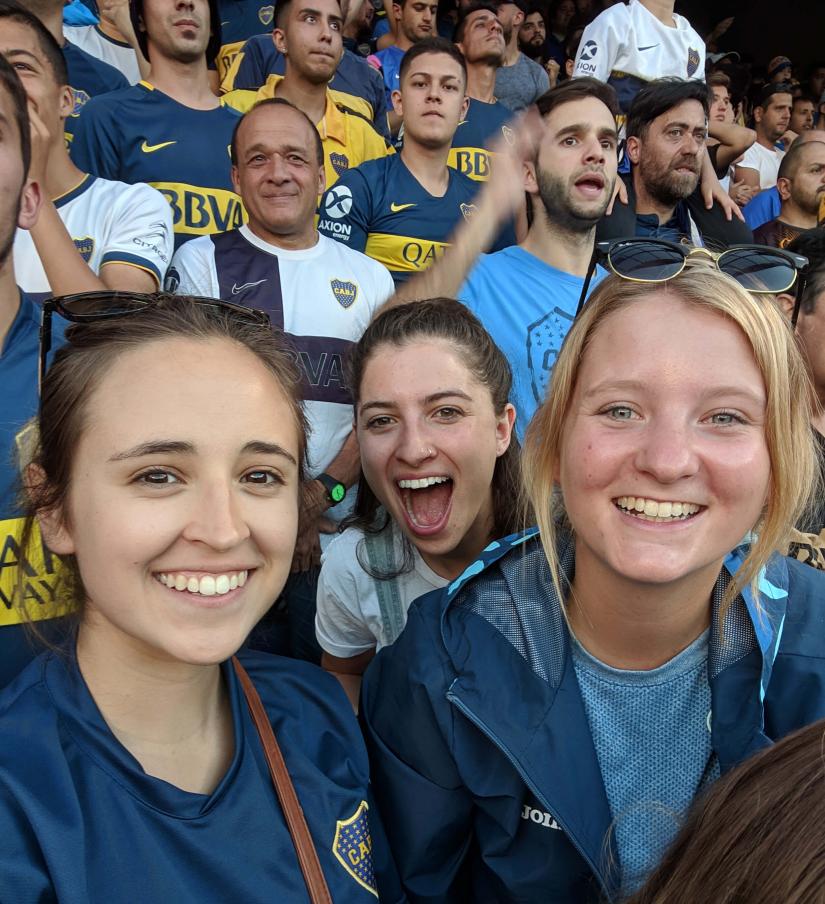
(143,135)
(483,124)
(88,77)
(380,208)
(241,20)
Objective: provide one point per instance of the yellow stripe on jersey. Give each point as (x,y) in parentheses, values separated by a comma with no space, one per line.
(473,162)
(226,57)
(403,254)
(40,570)
(201,211)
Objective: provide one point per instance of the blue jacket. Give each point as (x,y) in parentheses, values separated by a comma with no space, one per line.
(82,823)
(483,766)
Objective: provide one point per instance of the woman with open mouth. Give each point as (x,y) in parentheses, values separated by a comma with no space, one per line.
(440,475)
(542,724)
(142,759)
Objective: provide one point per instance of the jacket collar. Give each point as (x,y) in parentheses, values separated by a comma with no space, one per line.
(515,619)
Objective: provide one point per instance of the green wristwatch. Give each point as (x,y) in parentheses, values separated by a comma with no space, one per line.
(336,491)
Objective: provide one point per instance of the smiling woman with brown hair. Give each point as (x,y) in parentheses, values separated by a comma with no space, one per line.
(151,759)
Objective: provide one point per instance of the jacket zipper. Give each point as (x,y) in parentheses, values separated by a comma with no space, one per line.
(461,706)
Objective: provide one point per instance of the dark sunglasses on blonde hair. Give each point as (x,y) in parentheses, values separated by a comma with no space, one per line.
(758,268)
(91,307)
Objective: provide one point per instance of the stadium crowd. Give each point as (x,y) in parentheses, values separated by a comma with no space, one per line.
(412,448)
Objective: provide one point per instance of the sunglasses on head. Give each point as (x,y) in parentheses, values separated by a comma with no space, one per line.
(92,307)
(758,268)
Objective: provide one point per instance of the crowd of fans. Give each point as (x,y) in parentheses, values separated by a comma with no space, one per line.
(309,312)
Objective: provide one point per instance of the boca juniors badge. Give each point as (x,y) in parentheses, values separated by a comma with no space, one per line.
(85,247)
(266,14)
(353,848)
(345,292)
(692,62)
(468,210)
(339,163)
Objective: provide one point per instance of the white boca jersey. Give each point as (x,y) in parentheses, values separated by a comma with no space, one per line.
(110,223)
(627,46)
(322,297)
(116,53)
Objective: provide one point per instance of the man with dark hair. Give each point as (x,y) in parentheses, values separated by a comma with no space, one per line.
(520,81)
(169,131)
(88,76)
(666,137)
(772,114)
(801,186)
(19,347)
(357,85)
(401,209)
(278,263)
(310,36)
(480,37)
(532,35)
(91,234)
(415,20)
(565,159)
(727,141)
(803,112)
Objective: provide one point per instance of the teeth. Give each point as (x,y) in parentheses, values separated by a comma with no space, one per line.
(651,510)
(208,585)
(421,483)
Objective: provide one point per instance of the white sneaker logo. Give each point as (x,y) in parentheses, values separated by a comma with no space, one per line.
(236,289)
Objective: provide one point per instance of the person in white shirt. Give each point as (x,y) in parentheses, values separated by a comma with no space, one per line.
(112,40)
(628,46)
(759,168)
(440,475)
(91,234)
(319,292)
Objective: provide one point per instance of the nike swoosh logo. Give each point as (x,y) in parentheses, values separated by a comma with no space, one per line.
(397,208)
(649,47)
(236,289)
(151,148)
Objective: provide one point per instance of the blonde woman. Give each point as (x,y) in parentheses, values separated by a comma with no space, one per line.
(542,724)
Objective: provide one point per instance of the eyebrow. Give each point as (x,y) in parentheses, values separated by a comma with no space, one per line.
(638,386)
(176,447)
(428,400)
(577,128)
(21,52)
(686,126)
(447,76)
(289,149)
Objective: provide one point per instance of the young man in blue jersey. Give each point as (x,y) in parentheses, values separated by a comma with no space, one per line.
(241,20)
(319,292)
(88,76)
(415,20)
(526,296)
(91,234)
(480,38)
(19,346)
(401,210)
(171,131)
(310,36)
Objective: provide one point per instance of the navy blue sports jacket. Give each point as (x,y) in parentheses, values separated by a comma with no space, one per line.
(483,766)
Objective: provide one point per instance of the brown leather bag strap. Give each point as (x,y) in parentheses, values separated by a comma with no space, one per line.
(295,820)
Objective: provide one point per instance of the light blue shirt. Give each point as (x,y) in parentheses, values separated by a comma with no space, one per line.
(527,306)
(651,731)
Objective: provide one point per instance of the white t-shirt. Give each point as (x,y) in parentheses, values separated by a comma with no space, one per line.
(120,55)
(348,619)
(110,223)
(765,161)
(309,279)
(630,41)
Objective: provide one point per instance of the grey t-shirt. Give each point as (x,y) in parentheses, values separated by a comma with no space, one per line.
(521,84)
